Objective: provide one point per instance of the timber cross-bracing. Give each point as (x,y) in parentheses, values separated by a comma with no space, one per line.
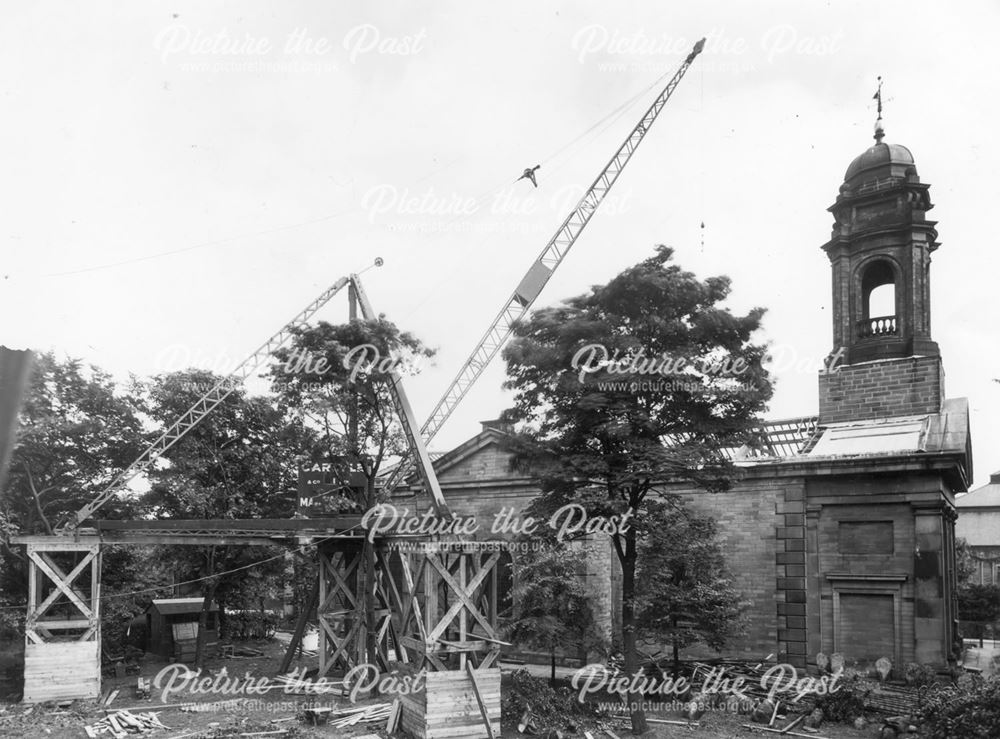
(50,584)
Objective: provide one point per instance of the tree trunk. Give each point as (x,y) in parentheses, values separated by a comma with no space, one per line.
(223,622)
(371,651)
(208,593)
(629,636)
(677,651)
(552,677)
(371,646)
(199,654)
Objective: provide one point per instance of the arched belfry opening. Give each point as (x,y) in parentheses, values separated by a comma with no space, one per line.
(878,300)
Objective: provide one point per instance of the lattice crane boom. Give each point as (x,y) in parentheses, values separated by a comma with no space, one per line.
(203,406)
(541,271)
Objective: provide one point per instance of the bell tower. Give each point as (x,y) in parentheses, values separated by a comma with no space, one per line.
(884,362)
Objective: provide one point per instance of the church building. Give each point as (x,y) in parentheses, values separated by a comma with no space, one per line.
(841,532)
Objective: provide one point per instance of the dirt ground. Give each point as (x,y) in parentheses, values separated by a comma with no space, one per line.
(251,713)
(277,710)
(714,725)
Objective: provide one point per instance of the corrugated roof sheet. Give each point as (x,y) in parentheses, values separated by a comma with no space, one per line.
(877,436)
(947,431)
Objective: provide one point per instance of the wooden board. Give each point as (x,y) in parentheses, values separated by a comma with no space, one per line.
(61,671)
(447,707)
(185,630)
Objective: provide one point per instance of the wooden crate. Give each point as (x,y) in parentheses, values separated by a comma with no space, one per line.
(185,650)
(61,671)
(447,709)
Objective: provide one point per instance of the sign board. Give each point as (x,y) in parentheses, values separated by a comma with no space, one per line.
(322,481)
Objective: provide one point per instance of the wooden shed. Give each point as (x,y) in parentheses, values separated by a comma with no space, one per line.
(172,625)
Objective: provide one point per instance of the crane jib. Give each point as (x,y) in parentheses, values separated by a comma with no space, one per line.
(541,271)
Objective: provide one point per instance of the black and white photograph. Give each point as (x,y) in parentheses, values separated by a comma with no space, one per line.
(467,370)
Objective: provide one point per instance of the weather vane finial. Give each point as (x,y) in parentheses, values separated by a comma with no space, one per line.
(879,129)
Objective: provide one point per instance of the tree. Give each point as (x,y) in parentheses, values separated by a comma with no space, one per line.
(966,565)
(688,595)
(595,435)
(77,429)
(238,462)
(130,578)
(979,604)
(552,608)
(336,378)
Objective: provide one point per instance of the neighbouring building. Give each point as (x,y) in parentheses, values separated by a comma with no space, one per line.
(842,531)
(979,524)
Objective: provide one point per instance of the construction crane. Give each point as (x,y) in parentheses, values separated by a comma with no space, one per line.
(540,271)
(491,342)
(210,400)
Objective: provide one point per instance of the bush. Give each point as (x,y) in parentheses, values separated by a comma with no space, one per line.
(848,702)
(970,710)
(245,625)
(920,675)
(547,704)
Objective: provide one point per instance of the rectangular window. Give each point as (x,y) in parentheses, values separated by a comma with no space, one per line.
(865,537)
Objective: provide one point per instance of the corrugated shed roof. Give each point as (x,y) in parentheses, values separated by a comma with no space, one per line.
(171,606)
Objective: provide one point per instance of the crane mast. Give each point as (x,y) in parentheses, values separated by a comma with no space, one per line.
(406,417)
(541,271)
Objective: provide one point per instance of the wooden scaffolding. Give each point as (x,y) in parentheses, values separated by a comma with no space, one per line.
(435,610)
(62,651)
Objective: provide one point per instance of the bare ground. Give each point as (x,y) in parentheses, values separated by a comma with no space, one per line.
(265,713)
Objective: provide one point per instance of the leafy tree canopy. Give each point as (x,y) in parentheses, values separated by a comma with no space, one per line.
(645,380)
(336,377)
(76,431)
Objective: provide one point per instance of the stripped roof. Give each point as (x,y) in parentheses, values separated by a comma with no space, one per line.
(929,433)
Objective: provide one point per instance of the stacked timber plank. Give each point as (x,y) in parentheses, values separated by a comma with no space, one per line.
(56,671)
(122,723)
(446,708)
(362,715)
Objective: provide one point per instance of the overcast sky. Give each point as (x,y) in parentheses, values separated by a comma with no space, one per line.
(180,179)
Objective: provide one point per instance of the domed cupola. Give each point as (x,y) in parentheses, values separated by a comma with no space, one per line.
(880,251)
(880,162)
